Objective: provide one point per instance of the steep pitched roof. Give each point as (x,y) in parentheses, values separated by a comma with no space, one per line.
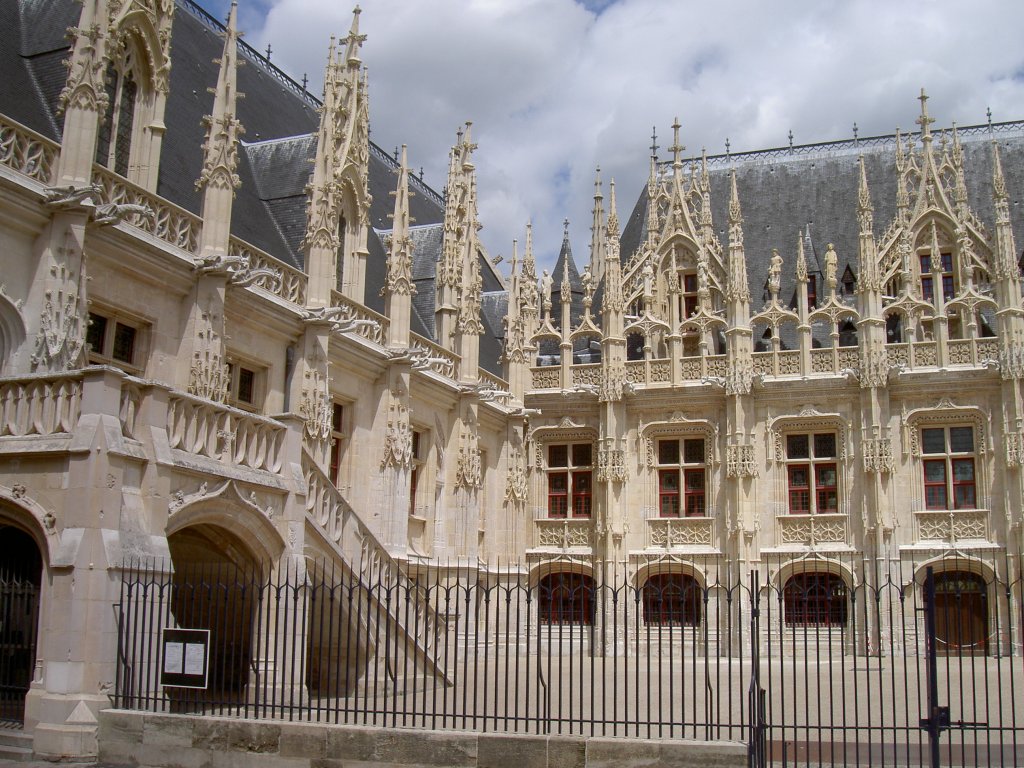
(784,192)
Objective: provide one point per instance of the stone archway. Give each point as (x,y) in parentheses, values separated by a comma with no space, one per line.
(21,574)
(961,613)
(216,583)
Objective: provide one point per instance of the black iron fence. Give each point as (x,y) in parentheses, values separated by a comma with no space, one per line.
(19,618)
(811,659)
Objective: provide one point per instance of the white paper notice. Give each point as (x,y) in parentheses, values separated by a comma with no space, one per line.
(195,656)
(173,655)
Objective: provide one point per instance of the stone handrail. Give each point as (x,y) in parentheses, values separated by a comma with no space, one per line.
(564,532)
(169,223)
(25,151)
(952,526)
(490,380)
(46,404)
(810,530)
(223,433)
(440,360)
(671,532)
(292,285)
(375,327)
(334,517)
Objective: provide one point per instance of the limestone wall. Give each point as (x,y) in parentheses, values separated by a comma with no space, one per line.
(181,741)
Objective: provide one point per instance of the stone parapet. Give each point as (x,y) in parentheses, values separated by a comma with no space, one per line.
(182,741)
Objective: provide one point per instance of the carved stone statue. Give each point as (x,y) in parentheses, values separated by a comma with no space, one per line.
(775,272)
(831,266)
(648,273)
(547,284)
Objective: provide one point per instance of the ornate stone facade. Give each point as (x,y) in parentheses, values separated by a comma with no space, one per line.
(340,391)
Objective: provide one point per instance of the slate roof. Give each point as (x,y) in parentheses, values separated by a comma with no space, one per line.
(813,188)
(280,121)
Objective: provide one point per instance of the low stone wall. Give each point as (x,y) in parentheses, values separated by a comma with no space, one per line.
(183,741)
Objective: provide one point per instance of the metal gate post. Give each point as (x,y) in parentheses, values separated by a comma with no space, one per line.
(756,748)
(938,716)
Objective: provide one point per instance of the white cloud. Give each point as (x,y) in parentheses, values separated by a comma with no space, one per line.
(555,88)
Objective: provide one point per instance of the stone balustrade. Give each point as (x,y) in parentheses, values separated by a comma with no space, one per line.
(371,325)
(25,151)
(951,527)
(223,433)
(812,530)
(169,223)
(676,532)
(488,379)
(45,404)
(435,357)
(780,363)
(292,284)
(563,533)
(334,517)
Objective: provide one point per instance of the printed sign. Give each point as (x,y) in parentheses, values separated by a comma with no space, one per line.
(186,658)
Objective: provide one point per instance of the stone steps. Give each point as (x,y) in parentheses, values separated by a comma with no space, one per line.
(15,745)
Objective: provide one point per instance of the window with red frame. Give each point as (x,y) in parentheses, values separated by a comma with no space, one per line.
(690,300)
(815,600)
(682,488)
(928,280)
(570,477)
(948,461)
(812,474)
(566,598)
(672,599)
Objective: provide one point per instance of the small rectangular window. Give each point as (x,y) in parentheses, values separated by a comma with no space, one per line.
(693,451)
(113,340)
(668,451)
(558,456)
(581,455)
(797,447)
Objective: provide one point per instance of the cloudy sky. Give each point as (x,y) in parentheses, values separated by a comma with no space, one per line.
(557,87)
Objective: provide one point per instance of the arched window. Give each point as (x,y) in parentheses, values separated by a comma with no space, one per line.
(672,599)
(566,598)
(815,600)
(114,143)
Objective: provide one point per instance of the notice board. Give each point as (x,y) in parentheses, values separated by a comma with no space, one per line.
(185,658)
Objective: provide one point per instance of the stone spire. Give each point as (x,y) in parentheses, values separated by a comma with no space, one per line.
(530,299)
(218,179)
(597,251)
(737,290)
(869,278)
(353,163)
(208,375)
(652,205)
(323,239)
(398,287)
(460,228)
(469,327)
(1005,257)
(84,99)
(739,370)
(613,307)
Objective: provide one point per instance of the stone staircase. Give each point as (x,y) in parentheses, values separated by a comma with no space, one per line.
(15,744)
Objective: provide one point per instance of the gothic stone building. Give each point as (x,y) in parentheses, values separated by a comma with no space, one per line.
(236,331)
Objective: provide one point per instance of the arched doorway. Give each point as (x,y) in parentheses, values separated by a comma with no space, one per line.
(21,575)
(815,599)
(961,613)
(216,585)
(566,598)
(672,599)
